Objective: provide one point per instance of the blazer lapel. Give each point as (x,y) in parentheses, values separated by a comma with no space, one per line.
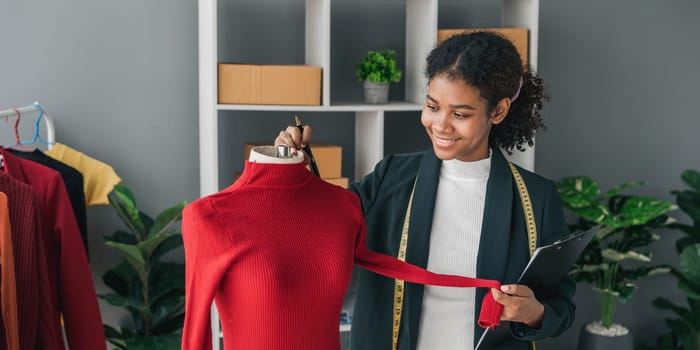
(495,230)
(419,241)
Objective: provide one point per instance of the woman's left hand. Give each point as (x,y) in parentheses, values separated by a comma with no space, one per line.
(519,304)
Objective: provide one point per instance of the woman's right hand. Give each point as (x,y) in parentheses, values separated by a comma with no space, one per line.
(292,136)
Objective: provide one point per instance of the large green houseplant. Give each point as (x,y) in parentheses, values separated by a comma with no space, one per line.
(149,288)
(377,69)
(616,257)
(684,331)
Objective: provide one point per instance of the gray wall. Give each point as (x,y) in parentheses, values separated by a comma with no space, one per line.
(120,79)
(623,78)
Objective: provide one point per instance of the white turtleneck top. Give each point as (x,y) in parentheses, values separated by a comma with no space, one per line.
(447,316)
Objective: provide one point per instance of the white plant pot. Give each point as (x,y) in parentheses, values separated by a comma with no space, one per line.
(376,93)
(596,337)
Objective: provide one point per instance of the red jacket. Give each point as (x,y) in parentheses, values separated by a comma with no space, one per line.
(70,288)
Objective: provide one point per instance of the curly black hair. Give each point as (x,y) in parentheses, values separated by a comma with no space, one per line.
(490,63)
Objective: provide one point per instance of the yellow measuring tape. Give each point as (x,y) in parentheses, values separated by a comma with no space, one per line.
(529,215)
(527,209)
(399,284)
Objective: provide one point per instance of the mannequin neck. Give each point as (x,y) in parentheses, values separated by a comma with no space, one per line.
(267,155)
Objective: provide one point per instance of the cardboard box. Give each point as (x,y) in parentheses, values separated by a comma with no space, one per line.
(329,158)
(341,181)
(269,84)
(518,36)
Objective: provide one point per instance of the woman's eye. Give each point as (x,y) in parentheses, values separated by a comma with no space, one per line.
(459,115)
(431,108)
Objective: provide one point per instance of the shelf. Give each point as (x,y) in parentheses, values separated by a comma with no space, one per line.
(421,25)
(339,107)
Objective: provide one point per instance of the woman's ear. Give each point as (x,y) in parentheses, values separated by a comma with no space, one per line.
(501,111)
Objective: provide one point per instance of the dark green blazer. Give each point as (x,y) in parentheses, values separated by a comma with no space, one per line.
(503,250)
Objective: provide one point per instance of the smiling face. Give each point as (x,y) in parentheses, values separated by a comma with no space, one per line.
(457,119)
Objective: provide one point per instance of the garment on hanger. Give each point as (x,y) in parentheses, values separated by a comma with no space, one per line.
(34,313)
(276,250)
(73,181)
(8,284)
(70,286)
(99,178)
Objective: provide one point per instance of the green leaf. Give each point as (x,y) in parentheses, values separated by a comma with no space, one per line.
(125,192)
(121,236)
(689,202)
(150,244)
(119,344)
(111,332)
(691,178)
(681,332)
(126,207)
(625,292)
(171,325)
(690,264)
(124,280)
(160,342)
(165,279)
(590,268)
(596,213)
(689,290)
(578,191)
(133,256)
(616,256)
(167,217)
(665,304)
(643,271)
(665,341)
(169,309)
(168,245)
(147,221)
(616,191)
(128,333)
(117,300)
(640,210)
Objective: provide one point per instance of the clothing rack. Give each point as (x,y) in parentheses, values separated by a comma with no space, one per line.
(32,108)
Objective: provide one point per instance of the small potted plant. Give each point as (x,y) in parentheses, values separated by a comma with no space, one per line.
(616,257)
(377,70)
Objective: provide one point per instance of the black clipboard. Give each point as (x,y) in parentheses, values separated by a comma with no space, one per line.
(549,265)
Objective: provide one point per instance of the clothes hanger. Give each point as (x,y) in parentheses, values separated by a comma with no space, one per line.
(37,128)
(18,143)
(16,128)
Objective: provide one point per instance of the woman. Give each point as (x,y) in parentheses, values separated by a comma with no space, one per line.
(466,216)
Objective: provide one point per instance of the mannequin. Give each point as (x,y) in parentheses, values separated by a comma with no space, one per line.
(276,251)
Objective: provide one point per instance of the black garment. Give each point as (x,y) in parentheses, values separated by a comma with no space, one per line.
(72,179)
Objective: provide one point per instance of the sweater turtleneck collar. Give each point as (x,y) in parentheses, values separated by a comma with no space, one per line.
(459,170)
(262,169)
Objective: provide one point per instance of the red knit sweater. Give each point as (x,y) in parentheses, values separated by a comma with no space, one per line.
(276,250)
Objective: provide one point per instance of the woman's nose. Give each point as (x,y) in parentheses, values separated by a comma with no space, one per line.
(441,122)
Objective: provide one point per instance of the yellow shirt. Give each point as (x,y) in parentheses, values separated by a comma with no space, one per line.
(98,178)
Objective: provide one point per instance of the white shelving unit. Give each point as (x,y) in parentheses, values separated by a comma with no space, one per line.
(421,35)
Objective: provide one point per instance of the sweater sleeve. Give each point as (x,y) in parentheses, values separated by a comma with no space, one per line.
(394,268)
(205,266)
(78,300)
